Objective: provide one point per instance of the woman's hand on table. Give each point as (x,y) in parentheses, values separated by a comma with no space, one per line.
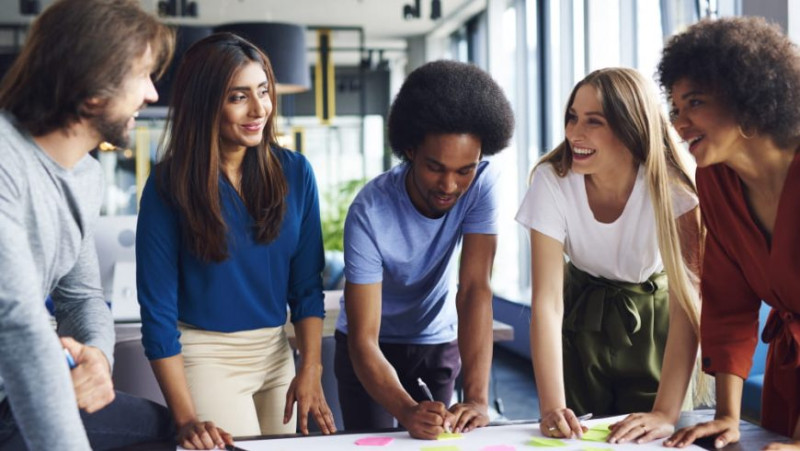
(641,428)
(306,389)
(202,435)
(562,423)
(726,429)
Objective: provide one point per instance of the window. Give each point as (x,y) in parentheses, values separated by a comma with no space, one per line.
(507,63)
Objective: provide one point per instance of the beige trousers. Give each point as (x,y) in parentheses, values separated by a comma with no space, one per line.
(239,380)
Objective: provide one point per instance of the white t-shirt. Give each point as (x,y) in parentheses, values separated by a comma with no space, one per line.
(625,250)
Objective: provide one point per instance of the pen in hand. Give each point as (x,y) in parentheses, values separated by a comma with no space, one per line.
(588,416)
(424,387)
(584,417)
(70,359)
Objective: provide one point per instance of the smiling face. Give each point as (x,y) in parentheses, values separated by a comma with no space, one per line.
(117,119)
(595,148)
(246,109)
(701,119)
(442,168)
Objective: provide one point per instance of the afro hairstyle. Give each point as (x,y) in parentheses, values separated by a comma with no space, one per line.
(450,97)
(749,63)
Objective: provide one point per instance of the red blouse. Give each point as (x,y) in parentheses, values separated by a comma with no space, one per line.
(740,269)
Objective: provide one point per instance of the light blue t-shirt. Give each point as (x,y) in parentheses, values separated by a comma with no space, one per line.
(386,239)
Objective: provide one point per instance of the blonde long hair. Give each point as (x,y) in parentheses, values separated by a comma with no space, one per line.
(634,114)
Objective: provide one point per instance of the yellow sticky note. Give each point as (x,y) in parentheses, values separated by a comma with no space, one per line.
(449,436)
(440,448)
(546,442)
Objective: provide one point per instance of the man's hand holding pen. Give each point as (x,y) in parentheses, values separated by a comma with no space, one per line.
(427,419)
(91,377)
(461,417)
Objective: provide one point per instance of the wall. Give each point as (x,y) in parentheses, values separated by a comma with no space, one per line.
(773,10)
(786,13)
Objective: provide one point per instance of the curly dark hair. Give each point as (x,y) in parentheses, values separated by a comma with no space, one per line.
(450,97)
(749,63)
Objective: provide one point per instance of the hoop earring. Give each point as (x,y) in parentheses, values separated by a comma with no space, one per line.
(744,135)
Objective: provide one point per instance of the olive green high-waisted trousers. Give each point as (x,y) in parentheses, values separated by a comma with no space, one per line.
(614,335)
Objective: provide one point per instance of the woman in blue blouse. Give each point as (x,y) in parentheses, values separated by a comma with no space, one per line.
(228,234)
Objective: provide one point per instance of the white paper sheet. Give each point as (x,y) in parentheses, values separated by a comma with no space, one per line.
(516,435)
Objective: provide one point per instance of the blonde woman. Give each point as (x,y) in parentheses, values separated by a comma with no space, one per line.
(616,198)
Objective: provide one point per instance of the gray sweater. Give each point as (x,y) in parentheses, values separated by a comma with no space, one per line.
(47,220)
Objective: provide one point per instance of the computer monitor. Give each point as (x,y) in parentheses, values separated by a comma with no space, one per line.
(115,239)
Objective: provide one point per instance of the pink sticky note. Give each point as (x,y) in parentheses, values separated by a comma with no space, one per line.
(498,448)
(374,441)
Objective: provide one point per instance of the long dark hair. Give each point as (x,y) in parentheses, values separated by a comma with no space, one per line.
(78,50)
(189,174)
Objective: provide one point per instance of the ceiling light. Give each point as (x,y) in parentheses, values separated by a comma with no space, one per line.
(285,46)
(29,7)
(436,9)
(412,12)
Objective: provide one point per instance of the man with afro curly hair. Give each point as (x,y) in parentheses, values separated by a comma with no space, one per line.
(403,320)
(734,85)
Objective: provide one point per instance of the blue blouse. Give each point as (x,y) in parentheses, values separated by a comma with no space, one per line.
(251,288)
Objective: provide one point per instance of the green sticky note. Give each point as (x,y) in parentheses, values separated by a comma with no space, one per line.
(598,433)
(449,436)
(440,448)
(546,442)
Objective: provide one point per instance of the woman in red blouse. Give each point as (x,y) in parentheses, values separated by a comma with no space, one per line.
(734,85)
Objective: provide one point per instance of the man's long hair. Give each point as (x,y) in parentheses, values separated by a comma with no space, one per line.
(79,50)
